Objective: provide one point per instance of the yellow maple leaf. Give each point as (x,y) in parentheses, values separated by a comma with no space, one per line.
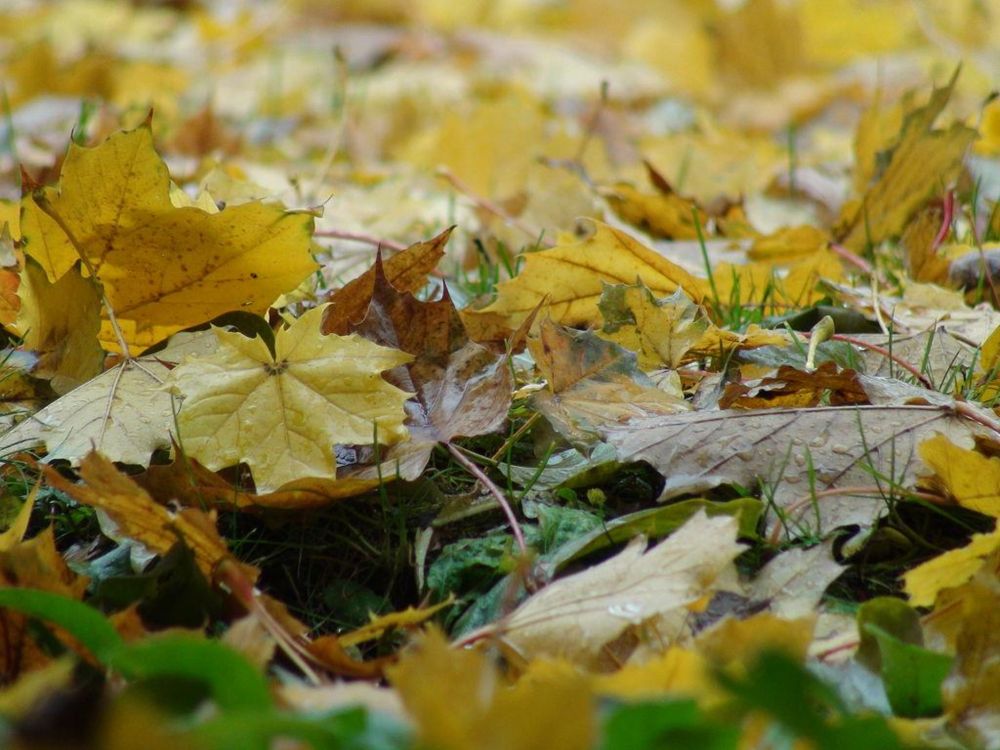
(471,708)
(952,568)
(972,479)
(922,163)
(660,332)
(662,214)
(789,243)
(163,268)
(282,413)
(568,279)
(60,322)
(775,288)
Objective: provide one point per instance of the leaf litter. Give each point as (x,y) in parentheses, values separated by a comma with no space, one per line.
(635,387)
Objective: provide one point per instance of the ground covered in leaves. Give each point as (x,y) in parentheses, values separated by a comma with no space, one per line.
(500,374)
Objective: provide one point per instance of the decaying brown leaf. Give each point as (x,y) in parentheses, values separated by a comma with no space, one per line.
(407,271)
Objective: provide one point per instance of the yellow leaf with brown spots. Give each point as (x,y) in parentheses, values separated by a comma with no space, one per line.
(568,279)
(163,268)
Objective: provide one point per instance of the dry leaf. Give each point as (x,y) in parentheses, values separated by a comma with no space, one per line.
(593,384)
(971,479)
(660,332)
(125,413)
(406,271)
(471,707)
(282,414)
(576,617)
(790,454)
(162,268)
(139,517)
(923,162)
(567,280)
(60,322)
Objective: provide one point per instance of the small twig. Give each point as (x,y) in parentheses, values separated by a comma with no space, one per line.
(368,239)
(487,205)
(852,258)
(824,655)
(493,490)
(949,214)
(964,409)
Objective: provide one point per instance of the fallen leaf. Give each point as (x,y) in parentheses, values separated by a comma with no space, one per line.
(379,625)
(660,332)
(953,568)
(282,413)
(60,322)
(36,564)
(406,271)
(162,268)
(592,384)
(472,707)
(792,455)
(795,581)
(567,281)
(139,517)
(576,617)
(125,412)
(788,244)
(461,388)
(921,164)
(920,244)
(186,480)
(663,214)
(971,693)
(971,479)
(796,388)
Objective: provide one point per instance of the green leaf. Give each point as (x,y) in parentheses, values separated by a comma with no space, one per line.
(892,615)
(352,729)
(912,674)
(802,703)
(83,622)
(673,724)
(233,681)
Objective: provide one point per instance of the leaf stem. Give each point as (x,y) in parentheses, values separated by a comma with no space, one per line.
(491,487)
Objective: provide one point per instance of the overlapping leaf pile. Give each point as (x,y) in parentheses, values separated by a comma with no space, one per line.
(500,374)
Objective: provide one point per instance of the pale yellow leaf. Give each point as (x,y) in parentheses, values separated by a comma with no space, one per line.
(281,414)
(575,617)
